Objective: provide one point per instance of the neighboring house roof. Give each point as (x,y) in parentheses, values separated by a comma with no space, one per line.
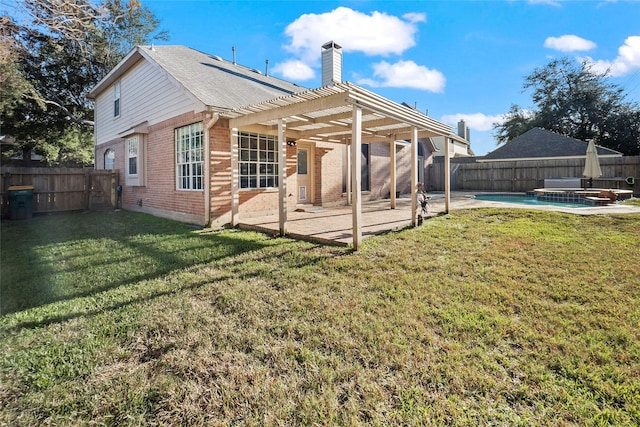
(538,143)
(213,81)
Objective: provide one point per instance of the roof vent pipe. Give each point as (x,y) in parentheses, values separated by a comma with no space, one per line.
(233,49)
(331,63)
(266,68)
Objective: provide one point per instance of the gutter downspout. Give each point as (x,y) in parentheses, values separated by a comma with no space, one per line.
(207,167)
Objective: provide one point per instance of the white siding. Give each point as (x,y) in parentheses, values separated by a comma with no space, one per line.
(146,94)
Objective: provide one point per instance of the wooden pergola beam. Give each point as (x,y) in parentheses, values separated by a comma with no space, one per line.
(304,107)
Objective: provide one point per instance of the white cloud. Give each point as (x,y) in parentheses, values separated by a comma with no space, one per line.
(549,2)
(628,59)
(374,34)
(476,121)
(405,74)
(415,17)
(294,70)
(605,2)
(569,43)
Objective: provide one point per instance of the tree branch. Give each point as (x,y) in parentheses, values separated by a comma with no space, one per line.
(65,110)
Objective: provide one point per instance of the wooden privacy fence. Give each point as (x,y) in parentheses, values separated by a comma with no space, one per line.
(526,175)
(62,189)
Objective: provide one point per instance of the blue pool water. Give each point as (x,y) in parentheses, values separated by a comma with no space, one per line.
(525,200)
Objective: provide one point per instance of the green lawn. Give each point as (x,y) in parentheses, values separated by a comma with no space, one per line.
(480,317)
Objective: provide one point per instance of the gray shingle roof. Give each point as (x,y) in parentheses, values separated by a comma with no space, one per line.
(215,81)
(542,143)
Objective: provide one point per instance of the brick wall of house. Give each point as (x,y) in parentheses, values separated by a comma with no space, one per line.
(252,202)
(266,201)
(380,169)
(118,147)
(403,169)
(158,195)
(160,190)
(328,163)
(220,172)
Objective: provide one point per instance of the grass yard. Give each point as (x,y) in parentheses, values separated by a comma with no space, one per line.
(480,317)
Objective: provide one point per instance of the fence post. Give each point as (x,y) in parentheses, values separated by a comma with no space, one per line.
(5,194)
(112,190)
(87,190)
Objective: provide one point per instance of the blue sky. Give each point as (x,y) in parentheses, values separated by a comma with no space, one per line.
(451,59)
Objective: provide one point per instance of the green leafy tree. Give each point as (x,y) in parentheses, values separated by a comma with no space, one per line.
(574,100)
(516,122)
(63,49)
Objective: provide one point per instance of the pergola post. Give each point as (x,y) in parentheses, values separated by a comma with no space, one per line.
(447,175)
(356,176)
(235,177)
(414,174)
(392,175)
(282,176)
(348,169)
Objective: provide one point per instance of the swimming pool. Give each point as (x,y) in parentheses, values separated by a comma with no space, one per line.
(526,200)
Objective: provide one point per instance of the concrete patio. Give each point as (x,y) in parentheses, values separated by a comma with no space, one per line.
(333,225)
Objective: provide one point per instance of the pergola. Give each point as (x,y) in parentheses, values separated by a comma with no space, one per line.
(342,113)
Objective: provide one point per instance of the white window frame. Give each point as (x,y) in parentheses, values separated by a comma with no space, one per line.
(117,105)
(258,161)
(110,155)
(134,149)
(189,149)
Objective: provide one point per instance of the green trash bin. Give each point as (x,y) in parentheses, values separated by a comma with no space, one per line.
(20,201)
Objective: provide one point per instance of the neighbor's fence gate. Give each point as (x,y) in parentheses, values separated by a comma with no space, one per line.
(62,189)
(526,175)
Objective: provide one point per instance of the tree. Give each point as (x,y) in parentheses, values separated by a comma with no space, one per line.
(62,51)
(517,122)
(574,100)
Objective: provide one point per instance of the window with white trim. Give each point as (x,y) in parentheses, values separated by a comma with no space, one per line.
(109,159)
(258,160)
(116,99)
(132,156)
(190,157)
(134,159)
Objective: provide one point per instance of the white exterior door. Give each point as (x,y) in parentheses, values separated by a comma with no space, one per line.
(305,173)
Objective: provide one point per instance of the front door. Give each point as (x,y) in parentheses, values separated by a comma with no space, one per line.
(305,173)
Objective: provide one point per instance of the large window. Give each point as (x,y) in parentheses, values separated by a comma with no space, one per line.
(116,99)
(189,157)
(258,160)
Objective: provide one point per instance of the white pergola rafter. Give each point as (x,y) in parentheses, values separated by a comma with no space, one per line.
(341,113)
